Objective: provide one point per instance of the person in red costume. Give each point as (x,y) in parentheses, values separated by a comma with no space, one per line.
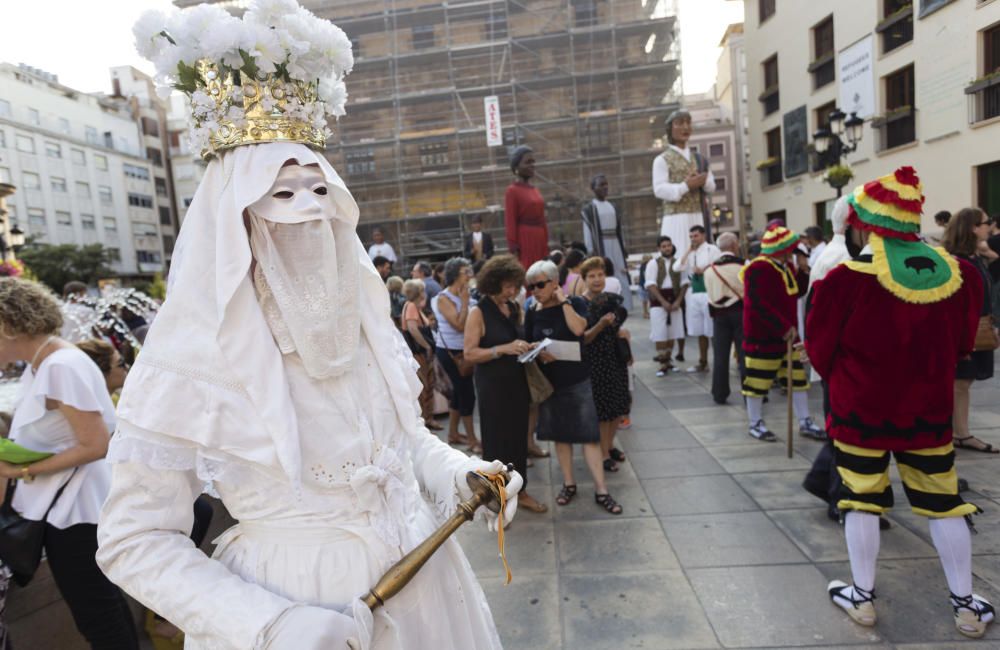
(524,211)
(889,360)
(772,284)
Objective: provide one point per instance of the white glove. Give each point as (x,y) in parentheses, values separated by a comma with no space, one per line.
(303,627)
(514,486)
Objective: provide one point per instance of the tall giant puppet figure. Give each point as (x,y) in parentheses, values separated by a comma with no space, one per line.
(681,178)
(274,375)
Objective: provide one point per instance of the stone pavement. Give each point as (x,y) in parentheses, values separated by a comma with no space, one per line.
(718,545)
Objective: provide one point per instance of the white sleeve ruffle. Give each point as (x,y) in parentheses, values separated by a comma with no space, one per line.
(145,549)
(662,187)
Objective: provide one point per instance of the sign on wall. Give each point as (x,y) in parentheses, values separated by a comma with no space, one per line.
(857,78)
(796,135)
(494,127)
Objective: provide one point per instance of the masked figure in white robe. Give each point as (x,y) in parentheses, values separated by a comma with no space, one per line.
(274,378)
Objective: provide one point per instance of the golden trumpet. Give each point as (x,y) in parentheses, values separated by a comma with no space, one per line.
(484,493)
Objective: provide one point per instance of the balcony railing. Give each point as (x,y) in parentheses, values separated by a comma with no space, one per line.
(984,98)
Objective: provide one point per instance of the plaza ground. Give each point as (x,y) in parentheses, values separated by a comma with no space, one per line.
(718,547)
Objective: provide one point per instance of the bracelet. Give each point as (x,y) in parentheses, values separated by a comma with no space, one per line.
(26,474)
(495,355)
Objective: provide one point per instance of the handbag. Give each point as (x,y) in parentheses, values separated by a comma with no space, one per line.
(21,539)
(986,335)
(465,369)
(538,384)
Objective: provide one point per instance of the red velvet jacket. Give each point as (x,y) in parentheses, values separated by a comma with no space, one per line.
(890,364)
(769,310)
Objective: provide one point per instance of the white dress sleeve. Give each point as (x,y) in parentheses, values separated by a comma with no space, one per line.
(662,187)
(145,549)
(438,467)
(651,273)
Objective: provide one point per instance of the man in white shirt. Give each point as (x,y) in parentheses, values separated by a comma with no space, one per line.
(814,238)
(381,247)
(695,262)
(666,295)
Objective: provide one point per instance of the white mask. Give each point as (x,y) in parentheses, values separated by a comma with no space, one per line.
(299,194)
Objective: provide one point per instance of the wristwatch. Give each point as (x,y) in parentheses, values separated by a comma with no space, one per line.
(26,474)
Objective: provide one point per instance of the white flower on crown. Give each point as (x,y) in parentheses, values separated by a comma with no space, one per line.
(275,37)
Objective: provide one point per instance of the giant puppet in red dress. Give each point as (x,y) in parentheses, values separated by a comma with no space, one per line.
(524,212)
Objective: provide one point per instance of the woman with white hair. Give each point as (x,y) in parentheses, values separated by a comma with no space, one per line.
(569,416)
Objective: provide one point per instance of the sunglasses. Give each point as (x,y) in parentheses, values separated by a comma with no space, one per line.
(539,285)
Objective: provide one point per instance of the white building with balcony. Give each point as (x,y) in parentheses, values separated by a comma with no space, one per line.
(924,75)
(80,168)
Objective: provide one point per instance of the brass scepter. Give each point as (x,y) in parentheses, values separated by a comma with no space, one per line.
(484,493)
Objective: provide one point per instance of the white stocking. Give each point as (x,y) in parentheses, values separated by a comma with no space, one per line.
(800,404)
(954,546)
(861,530)
(755,408)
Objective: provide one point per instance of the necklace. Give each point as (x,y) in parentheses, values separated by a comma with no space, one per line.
(39,351)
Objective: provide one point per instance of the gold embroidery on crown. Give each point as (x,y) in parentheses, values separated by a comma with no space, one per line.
(261,126)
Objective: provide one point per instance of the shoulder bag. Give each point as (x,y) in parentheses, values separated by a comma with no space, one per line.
(21,539)
(986,335)
(538,384)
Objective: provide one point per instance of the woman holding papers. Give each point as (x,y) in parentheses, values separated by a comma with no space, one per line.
(569,416)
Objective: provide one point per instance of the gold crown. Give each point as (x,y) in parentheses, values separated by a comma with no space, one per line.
(255,110)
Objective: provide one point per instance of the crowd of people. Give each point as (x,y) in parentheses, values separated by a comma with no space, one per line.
(467,341)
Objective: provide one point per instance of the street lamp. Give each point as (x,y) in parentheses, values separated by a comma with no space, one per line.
(16,238)
(830,145)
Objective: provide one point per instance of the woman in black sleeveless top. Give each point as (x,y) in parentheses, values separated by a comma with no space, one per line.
(493,341)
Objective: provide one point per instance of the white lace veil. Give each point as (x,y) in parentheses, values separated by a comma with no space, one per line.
(210,372)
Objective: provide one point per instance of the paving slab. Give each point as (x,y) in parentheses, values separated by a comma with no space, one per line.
(614,546)
(912,605)
(651,439)
(675,462)
(651,610)
(757,456)
(778,490)
(729,540)
(822,540)
(774,606)
(690,495)
(527,611)
(530,548)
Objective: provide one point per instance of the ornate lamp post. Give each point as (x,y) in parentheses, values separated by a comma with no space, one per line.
(834,143)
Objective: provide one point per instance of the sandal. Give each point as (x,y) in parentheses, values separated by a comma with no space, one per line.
(476,449)
(609,504)
(566,494)
(457,439)
(534,451)
(617,455)
(610,465)
(962,443)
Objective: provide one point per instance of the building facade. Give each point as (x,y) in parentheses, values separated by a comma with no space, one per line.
(186,165)
(138,92)
(80,167)
(922,74)
(585,83)
(731,92)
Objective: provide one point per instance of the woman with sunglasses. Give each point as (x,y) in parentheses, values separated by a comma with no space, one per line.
(568,416)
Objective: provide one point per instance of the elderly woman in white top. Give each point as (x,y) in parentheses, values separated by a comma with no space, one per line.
(681,178)
(65,410)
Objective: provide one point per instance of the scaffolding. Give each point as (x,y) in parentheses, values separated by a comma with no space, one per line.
(585,83)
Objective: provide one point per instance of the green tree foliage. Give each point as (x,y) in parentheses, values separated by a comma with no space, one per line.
(56,265)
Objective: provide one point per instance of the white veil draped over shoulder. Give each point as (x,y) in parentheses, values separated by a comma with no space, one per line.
(210,372)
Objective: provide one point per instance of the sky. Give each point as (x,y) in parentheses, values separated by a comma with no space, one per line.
(80,41)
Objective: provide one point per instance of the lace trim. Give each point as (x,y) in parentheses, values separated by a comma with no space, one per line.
(193,373)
